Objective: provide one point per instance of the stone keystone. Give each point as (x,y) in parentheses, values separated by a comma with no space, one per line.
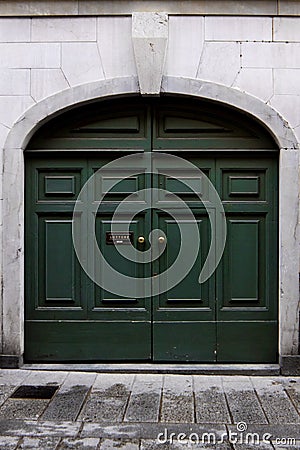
(150,39)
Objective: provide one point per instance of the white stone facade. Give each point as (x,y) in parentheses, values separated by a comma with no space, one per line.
(250,60)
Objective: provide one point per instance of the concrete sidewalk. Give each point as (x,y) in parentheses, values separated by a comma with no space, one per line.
(147,411)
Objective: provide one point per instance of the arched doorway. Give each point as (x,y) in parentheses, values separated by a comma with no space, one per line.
(233,317)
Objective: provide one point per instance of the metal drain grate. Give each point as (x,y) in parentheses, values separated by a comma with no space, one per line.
(39,392)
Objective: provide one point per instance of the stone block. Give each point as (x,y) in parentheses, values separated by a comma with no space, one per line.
(45,82)
(63,29)
(186,38)
(238,29)
(39,7)
(29,427)
(81,62)
(8,442)
(30,55)
(288,107)
(296,130)
(286,81)
(115,46)
(11,107)
(14,30)
(270,55)
(117,7)
(150,38)
(286,29)
(220,62)
(3,135)
(290,365)
(80,444)
(44,443)
(110,444)
(258,82)
(288,7)
(14,82)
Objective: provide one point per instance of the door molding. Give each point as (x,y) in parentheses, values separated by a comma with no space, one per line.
(13,195)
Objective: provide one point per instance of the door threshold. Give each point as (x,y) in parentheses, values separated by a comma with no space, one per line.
(194,369)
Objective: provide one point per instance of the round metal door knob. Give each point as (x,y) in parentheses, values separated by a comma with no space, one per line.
(141,239)
(161,239)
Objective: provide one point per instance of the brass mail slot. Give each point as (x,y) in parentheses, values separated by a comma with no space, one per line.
(119,237)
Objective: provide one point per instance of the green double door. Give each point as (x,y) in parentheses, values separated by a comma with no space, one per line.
(231,317)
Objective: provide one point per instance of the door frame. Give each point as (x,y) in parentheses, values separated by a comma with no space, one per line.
(13,197)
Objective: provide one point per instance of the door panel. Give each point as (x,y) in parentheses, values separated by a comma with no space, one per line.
(184,341)
(247,276)
(183,315)
(247,342)
(58,264)
(110,306)
(87,341)
(242,284)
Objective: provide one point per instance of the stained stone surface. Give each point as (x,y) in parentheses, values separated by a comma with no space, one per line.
(151,411)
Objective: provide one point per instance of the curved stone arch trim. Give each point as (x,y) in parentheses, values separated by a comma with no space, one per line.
(265,114)
(33,118)
(46,109)
(13,193)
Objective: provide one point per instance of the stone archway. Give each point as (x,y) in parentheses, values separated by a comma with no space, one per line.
(13,195)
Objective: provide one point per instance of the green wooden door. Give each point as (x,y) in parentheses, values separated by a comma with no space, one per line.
(232,317)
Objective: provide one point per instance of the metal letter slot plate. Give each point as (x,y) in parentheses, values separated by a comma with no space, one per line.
(119,237)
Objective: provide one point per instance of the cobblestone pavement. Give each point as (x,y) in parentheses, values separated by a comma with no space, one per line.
(147,411)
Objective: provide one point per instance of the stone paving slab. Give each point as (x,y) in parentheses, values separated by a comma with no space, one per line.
(132,410)
(68,401)
(144,402)
(9,442)
(275,401)
(44,443)
(13,377)
(273,431)
(177,399)
(113,385)
(45,378)
(5,392)
(110,444)
(210,400)
(80,444)
(104,409)
(19,427)
(150,430)
(242,400)
(22,409)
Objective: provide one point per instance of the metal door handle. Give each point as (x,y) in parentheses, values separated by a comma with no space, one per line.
(141,239)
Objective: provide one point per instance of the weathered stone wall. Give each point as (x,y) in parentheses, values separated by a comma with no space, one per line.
(256,52)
